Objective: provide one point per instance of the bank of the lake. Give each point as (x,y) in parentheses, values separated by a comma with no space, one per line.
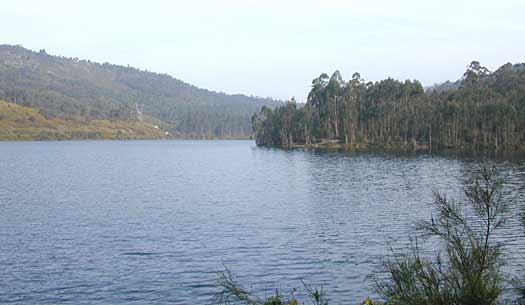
(21,123)
(402,148)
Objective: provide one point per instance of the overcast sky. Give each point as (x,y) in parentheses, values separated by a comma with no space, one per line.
(274,48)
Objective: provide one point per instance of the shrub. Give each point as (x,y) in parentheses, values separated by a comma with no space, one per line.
(468,272)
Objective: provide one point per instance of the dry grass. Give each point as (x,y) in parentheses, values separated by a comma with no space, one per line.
(24,123)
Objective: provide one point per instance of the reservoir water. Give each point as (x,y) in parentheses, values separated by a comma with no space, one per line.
(151,222)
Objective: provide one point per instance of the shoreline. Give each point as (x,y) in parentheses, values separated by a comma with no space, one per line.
(116,139)
(401,148)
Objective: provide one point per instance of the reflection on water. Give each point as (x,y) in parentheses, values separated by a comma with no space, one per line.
(152,221)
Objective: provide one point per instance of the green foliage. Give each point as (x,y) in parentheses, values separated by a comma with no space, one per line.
(68,87)
(483,111)
(233,293)
(469,271)
(466,272)
(316,295)
(369,301)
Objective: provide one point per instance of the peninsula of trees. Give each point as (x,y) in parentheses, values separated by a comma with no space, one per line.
(484,110)
(128,102)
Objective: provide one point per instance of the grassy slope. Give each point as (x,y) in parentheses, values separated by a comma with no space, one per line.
(24,123)
(62,87)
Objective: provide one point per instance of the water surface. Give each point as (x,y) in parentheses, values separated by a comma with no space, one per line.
(150,222)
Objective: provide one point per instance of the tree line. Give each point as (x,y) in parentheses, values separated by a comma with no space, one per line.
(483,110)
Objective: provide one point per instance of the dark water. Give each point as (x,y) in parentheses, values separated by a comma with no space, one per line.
(151,222)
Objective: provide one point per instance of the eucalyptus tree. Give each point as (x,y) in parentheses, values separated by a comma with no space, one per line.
(482,111)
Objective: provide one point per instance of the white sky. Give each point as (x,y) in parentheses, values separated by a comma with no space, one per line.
(274,48)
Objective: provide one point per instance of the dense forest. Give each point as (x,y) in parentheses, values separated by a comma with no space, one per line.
(484,110)
(69,88)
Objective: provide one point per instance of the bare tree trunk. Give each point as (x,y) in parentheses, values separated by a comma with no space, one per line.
(430,139)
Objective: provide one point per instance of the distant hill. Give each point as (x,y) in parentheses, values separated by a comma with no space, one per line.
(520,66)
(448,85)
(445,86)
(70,88)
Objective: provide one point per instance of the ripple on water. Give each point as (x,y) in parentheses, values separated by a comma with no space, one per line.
(153,221)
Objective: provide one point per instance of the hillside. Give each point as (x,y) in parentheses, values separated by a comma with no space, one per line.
(69,88)
(24,123)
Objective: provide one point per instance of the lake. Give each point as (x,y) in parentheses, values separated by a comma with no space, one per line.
(151,222)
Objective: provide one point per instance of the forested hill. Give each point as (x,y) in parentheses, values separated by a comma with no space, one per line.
(69,88)
(484,110)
